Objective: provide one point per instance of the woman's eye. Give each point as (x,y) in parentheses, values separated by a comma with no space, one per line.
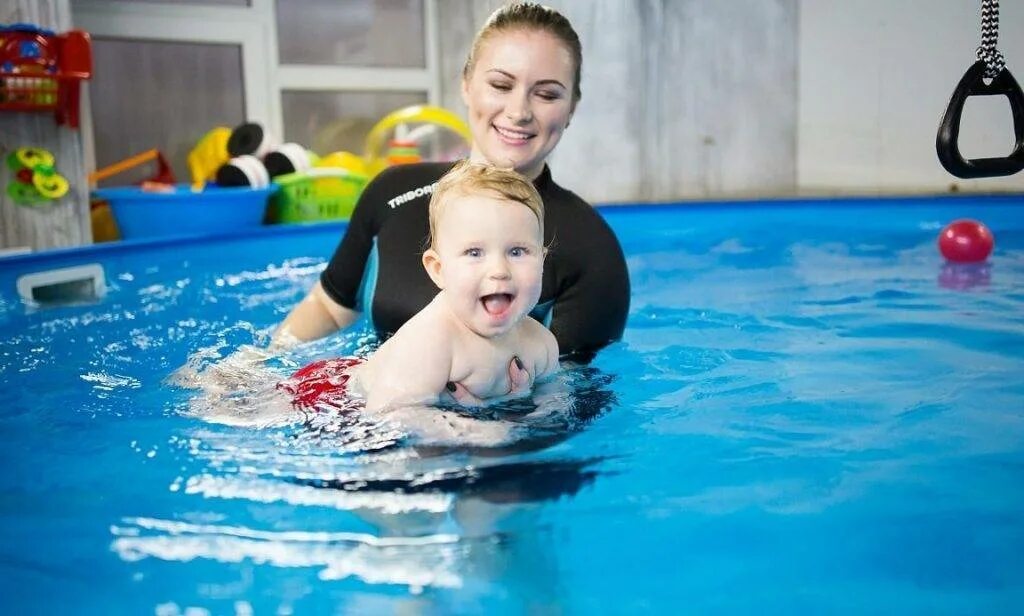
(549,96)
(500,85)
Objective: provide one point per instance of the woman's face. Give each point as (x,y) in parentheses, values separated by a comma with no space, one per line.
(519,96)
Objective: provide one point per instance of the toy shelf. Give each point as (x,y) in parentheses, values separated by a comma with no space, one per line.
(41,70)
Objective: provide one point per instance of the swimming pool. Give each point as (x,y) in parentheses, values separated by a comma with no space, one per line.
(809,412)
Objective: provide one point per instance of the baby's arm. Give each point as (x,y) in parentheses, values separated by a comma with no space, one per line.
(411,368)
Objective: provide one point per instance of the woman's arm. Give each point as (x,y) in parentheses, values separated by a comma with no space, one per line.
(316,316)
(591,311)
(326,310)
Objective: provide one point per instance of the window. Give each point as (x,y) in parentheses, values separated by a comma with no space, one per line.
(166,74)
(326,122)
(379,33)
(200,86)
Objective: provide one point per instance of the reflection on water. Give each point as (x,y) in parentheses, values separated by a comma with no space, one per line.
(416,562)
(435,505)
(965,276)
(521,482)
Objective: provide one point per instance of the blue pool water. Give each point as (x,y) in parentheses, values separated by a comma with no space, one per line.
(809,412)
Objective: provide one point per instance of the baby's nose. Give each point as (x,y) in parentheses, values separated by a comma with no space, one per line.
(499,269)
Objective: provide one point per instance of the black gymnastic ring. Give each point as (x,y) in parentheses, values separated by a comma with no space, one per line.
(973,84)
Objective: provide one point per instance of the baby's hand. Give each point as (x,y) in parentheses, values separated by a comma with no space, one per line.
(519,379)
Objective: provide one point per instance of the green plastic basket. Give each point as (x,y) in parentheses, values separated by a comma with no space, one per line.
(322,193)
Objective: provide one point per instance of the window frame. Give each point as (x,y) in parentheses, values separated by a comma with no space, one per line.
(254,29)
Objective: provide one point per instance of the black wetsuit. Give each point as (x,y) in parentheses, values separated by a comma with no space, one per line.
(377,268)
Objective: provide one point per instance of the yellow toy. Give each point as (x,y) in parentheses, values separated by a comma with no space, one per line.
(405,133)
(210,153)
(343,160)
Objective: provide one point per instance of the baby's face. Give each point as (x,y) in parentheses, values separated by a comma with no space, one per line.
(491,261)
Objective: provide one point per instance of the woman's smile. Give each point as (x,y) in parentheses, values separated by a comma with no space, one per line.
(513,137)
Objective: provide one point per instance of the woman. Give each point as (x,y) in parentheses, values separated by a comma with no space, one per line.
(521,84)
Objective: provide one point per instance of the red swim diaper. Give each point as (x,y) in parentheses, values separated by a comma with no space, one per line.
(323,381)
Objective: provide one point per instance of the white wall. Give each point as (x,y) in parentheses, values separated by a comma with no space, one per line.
(874,79)
(682,99)
(703,98)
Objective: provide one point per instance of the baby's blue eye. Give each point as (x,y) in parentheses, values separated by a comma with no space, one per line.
(473,252)
(519,251)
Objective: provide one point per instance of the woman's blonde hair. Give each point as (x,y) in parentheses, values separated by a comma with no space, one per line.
(467,178)
(530,16)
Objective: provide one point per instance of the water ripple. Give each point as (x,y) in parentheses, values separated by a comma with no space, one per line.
(417,562)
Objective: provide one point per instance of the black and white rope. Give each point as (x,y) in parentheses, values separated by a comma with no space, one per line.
(987,52)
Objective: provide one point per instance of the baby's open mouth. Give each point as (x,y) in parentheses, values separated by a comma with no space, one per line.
(496,303)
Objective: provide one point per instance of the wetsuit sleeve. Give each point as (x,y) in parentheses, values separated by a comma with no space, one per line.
(591,310)
(344,272)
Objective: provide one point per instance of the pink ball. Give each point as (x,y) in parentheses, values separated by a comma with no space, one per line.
(966,241)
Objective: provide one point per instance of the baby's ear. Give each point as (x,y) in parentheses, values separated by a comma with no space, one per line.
(432,263)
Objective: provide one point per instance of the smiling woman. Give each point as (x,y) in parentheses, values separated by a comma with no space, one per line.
(521,86)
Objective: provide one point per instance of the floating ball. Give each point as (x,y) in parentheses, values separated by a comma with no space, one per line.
(966,241)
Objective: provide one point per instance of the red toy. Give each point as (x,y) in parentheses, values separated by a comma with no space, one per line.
(40,70)
(966,241)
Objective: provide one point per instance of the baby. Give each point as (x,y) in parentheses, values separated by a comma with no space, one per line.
(486,256)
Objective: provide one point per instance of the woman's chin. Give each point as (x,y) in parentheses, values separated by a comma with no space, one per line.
(511,157)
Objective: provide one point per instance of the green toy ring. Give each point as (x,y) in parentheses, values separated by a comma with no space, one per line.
(41,184)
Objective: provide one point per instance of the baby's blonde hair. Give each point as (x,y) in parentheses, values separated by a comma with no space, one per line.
(467,177)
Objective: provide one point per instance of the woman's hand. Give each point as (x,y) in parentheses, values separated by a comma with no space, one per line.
(519,379)
(235,372)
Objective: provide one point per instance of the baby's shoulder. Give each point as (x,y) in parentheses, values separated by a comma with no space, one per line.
(535,331)
(427,332)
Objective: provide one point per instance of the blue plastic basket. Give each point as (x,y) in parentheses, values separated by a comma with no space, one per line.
(142,214)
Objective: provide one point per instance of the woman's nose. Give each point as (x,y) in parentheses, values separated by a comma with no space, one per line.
(518,110)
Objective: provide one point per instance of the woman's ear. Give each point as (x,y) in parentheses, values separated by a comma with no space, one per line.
(432,263)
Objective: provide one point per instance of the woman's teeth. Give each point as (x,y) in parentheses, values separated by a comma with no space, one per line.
(513,134)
